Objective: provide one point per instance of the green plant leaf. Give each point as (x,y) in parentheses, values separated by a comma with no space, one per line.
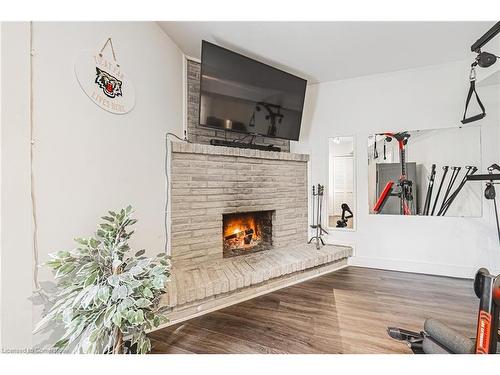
(158,270)
(142,302)
(117,319)
(159,282)
(143,263)
(103,293)
(93,243)
(107,227)
(108,316)
(113,280)
(94,335)
(61,344)
(156,321)
(136,270)
(63,254)
(139,317)
(89,298)
(120,292)
(140,252)
(147,293)
(81,241)
(130,316)
(65,269)
(90,280)
(54,264)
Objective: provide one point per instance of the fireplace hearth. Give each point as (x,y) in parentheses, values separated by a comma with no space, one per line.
(246,232)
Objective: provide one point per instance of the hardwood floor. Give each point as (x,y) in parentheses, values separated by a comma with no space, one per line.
(346,311)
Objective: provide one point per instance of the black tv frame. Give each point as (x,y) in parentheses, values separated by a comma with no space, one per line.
(203,42)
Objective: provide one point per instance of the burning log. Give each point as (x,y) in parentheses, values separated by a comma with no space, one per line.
(248,238)
(234,235)
(246,233)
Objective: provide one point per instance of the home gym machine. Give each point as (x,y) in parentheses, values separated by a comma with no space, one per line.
(346,214)
(489,192)
(403,188)
(317,209)
(483,60)
(437,337)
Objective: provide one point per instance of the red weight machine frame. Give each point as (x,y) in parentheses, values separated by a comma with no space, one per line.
(403,188)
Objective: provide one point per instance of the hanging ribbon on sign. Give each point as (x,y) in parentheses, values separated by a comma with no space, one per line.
(110,43)
(104,81)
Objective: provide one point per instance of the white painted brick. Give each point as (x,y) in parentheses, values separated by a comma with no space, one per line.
(209,181)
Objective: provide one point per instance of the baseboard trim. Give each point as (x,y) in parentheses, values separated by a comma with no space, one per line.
(448,270)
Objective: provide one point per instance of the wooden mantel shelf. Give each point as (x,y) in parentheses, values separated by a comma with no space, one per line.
(195,148)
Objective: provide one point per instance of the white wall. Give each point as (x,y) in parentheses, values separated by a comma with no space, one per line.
(16,245)
(87,160)
(0,188)
(427,98)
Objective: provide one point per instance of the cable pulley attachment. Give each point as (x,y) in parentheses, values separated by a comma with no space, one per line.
(472,90)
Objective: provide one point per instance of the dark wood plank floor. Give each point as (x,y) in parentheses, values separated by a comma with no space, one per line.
(343,312)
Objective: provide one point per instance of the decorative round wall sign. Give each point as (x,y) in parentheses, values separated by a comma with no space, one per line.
(104,81)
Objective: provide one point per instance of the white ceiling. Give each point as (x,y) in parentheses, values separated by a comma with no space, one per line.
(326,51)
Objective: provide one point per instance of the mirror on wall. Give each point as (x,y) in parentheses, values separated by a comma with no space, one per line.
(341,189)
(423,172)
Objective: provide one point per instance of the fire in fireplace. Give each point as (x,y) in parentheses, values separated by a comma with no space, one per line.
(246,232)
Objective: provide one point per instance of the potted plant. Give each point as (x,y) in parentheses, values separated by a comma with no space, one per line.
(104,296)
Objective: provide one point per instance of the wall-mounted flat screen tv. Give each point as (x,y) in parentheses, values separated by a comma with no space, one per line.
(244,95)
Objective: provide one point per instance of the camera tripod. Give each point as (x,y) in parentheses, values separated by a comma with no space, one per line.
(317,194)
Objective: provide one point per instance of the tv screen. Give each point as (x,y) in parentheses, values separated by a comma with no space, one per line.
(244,95)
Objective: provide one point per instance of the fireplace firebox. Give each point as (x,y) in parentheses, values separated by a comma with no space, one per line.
(246,232)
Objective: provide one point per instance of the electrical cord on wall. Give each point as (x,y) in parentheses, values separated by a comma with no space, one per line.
(167,182)
(32,179)
(37,288)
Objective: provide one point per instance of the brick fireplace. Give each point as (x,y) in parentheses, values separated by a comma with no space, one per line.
(237,227)
(210,185)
